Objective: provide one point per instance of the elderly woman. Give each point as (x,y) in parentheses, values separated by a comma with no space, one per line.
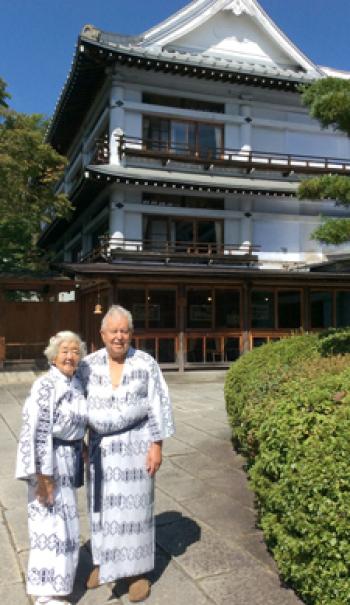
(50,460)
(129,414)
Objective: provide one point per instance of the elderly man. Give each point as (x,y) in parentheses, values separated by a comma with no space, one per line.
(129,415)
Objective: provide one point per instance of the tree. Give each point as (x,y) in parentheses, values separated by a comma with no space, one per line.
(3,94)
(328,100)
(29,170)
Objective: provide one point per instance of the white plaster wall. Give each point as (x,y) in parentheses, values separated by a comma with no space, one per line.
(318,144)
(268,139)
(276,235)
(277,205)
(133,226)
(231,35)
(306,243)
(232,231)
(133,124)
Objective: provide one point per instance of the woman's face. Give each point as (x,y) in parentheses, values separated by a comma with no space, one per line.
(68,357)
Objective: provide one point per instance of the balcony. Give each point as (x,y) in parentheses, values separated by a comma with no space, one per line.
(209,158)
(183,252)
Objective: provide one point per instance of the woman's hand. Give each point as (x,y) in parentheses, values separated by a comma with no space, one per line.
(154,457)
(45,489)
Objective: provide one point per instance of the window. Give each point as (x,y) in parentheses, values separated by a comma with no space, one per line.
(227,309)
(161,308)
(183,201)
(183,137)
(213,308)
(289,309)
(199,308)
(195,350)
(66,296)
(321,309)
(343,308)
(262,309)
(134,301)
(150,308)
(166,347)
(231,348)
(182,102)
(263,313)
(156,133)
(24,295)
(182,232)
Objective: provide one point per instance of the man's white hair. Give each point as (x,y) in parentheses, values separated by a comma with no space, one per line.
(117,310)
(55,342)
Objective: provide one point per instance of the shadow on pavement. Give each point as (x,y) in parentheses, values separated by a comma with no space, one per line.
(174,534)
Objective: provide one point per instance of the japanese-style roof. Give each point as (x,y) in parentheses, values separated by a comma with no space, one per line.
(175,46)
(336,263)
(96,178)
(81,198)
(189,181)
(139,269)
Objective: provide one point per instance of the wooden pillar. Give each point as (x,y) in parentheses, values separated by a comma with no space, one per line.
(245,316)
(305,313)
(181,324)
(2,351)
(114,293)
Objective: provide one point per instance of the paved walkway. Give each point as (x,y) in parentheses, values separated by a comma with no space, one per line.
(208,548)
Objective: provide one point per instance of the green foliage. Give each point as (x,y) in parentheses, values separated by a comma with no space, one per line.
(328,100)
(326,187)
(289,406)
(333,231)
(3,94)
(334,342)
(29,169)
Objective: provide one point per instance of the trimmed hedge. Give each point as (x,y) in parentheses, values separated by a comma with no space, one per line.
(289,407)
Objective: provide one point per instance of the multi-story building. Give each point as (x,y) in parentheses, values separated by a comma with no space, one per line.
(185,149)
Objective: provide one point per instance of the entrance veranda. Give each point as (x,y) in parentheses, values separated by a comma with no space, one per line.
(189,326)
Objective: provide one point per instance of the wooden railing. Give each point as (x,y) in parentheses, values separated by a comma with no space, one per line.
(24,351)
(110,248)
(220,157)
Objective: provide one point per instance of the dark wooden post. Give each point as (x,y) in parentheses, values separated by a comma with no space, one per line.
(181,324)
(245,316)
(2,351)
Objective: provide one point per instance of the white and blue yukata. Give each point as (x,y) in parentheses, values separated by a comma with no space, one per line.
(138,412)
(54,421)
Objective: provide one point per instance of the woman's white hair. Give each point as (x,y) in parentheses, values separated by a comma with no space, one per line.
(55,342)
(118,310)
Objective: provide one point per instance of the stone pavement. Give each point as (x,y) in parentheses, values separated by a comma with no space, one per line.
(208,548)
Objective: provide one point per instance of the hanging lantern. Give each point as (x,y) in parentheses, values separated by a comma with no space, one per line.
(98,306)
(98,309)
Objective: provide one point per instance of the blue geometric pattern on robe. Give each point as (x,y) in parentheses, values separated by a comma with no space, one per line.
(56,406)
(122,534)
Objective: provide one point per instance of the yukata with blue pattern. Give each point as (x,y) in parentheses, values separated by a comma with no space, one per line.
(55,408)
(139,410)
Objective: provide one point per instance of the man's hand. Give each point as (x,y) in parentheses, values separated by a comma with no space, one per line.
(154,457)
(45,489)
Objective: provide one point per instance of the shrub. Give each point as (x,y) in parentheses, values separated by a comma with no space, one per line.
(290,412)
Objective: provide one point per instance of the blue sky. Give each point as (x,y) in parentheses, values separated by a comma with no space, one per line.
(38,37)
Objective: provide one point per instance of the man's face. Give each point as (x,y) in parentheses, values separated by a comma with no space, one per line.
(116,336)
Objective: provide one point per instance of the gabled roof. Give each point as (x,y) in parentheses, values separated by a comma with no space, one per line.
(239,18)
(200,41)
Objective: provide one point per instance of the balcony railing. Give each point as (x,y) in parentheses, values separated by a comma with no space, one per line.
(249,161)
(167,251)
